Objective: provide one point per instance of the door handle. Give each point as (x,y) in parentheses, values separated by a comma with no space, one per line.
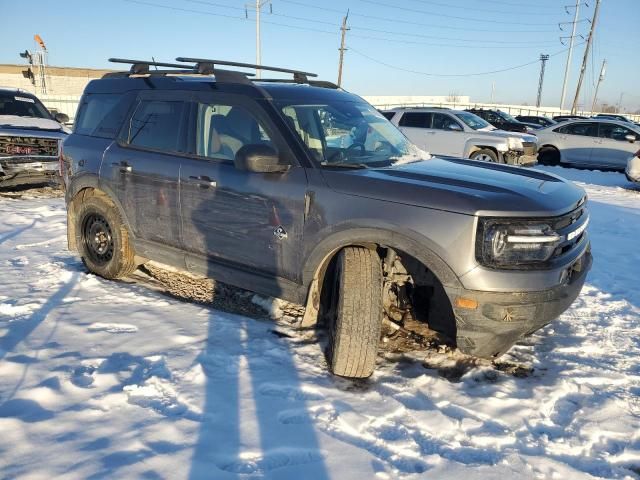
(124,167)
(203,181)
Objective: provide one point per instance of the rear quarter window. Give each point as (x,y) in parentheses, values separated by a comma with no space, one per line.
(102,114)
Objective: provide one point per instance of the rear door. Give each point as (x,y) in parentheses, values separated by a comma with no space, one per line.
(576,141)
(612,149)
(247,220)
(417,127)
(143,166)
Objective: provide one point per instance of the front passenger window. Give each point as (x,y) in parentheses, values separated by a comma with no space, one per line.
(223,129)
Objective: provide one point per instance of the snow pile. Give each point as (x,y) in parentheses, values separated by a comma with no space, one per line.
(114,380)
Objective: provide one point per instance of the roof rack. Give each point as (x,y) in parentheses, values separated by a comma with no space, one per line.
(298,75)
(204,66)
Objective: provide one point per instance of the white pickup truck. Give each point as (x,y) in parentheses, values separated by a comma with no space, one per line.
(457,133)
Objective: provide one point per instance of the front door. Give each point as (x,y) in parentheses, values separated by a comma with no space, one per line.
(447,136)
(612,149)
(142,166)
(247,220)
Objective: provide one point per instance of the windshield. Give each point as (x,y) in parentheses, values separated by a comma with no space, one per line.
(472,120)
(15,103)
(350,134)
(507,117)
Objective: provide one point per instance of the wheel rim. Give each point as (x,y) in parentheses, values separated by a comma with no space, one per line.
(483,157)
(97,238)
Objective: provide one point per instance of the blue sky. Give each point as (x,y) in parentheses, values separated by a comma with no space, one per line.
(440,37)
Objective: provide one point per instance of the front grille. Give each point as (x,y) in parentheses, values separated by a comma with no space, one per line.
(20,146)
(530,148)
(569,226)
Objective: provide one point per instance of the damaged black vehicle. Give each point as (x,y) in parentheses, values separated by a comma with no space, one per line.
(30,139)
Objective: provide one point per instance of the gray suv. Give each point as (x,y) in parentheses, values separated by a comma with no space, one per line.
(299,190)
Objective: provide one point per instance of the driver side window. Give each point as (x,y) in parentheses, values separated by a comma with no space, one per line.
(223,129)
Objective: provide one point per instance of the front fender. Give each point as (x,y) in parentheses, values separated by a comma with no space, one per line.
(409,242)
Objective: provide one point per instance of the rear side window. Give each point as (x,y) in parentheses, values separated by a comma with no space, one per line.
(388,115)
(416,119)
(158,125)
(582,129)
(102,114)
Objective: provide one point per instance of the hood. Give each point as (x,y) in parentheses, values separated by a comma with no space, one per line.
(526,137)
(29,123)
(462,186)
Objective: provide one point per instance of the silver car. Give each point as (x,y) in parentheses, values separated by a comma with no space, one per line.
(591,143)
(457,133)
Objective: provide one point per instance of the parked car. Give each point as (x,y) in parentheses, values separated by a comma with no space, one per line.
(590,143)
(538,120)
(564,118)
(633,168)
(503,120)
(462,134)
(306,192)
(30,139)
(612,116)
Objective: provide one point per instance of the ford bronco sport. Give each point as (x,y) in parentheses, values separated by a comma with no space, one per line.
(300,190)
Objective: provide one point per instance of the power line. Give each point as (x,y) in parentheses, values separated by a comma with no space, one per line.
(409,22)
(317,30)
(467,8)
(395,67)
(443,15)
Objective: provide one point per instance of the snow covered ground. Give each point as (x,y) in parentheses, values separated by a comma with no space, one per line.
(106,379)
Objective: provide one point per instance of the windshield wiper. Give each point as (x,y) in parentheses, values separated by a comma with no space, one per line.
(344,165)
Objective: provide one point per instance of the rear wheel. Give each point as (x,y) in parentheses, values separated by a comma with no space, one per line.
(484,155)
(549,156)
(355,312)
(104,240)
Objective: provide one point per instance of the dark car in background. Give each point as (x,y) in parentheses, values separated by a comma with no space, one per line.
(30,139)
(564,118)
(503,120)
(300,190)
(539,120)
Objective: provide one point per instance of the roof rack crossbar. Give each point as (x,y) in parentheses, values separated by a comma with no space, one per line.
(226,63)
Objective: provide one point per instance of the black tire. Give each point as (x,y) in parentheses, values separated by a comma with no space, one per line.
(549,156)
(104,240)
(356,312)
(484,155)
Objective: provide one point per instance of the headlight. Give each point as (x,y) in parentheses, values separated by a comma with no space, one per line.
(515,143)
(502,243)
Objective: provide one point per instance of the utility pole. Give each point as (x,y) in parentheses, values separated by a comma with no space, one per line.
(543,60)
(620,102)
(258,7)
(493,91)
(342,48)
(600,79)
(567,67)
(583,68)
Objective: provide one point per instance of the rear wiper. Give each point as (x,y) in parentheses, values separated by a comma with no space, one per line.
(344,165)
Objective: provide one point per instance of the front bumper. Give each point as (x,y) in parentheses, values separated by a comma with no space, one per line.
(27,173)
(520,159)
(500,319)
(633,170)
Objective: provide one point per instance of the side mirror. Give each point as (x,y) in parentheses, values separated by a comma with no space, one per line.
(630,138)
(61,117)
(260,159)
(454,127)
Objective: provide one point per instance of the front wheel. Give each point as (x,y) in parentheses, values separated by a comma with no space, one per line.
(355,313)
(104,241)
(484,155)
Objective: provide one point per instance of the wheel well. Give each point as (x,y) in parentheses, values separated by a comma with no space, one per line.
(546,149)
(412,280)
(72,208)
(477,148)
